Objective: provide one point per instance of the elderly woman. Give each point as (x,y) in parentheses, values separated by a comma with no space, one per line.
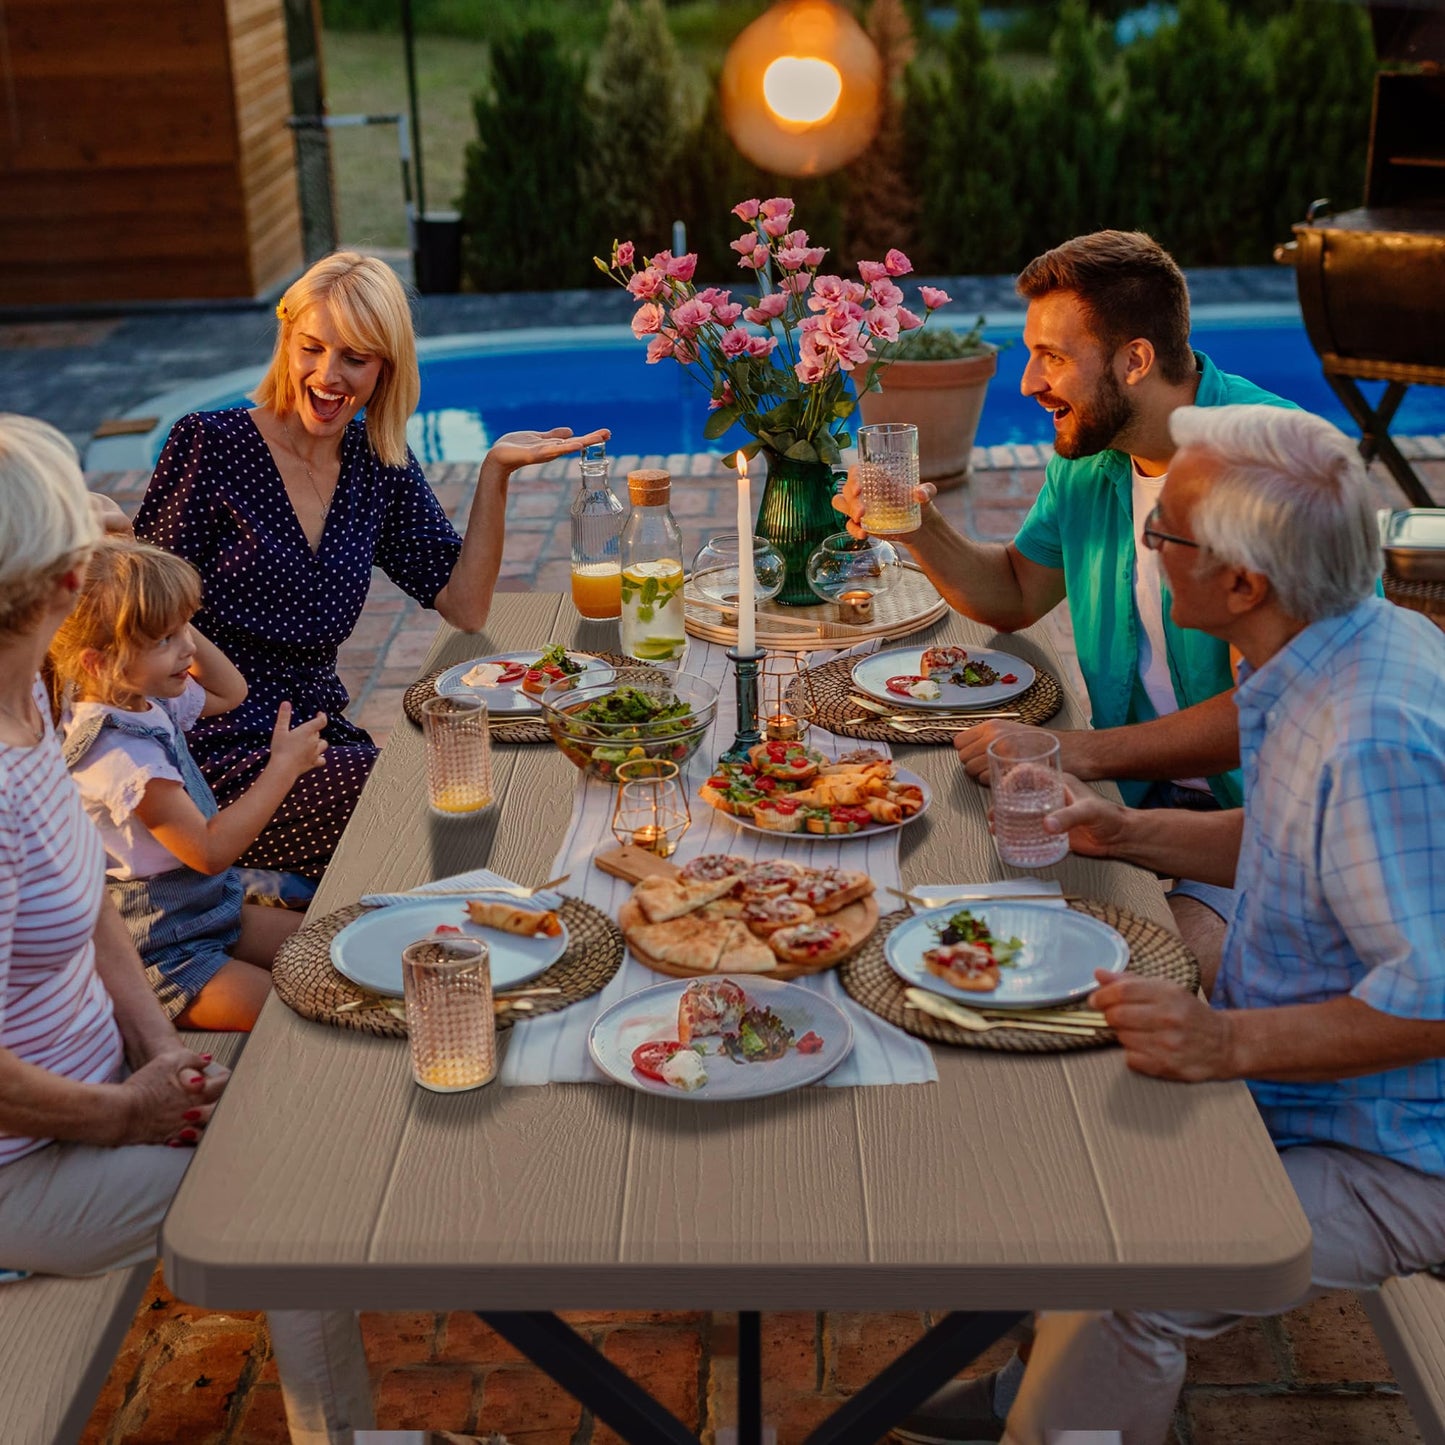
(284,509)
(94,1080)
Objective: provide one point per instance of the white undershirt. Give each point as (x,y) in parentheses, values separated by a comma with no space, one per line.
(1149,604)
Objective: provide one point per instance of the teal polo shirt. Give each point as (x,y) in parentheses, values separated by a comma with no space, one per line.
(1083,523)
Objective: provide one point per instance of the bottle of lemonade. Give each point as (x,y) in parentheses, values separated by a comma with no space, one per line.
(652,608)
(596,527)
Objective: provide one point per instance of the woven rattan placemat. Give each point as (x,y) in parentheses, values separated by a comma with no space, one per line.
(529,729)
(1154,952)
(827,691)
(307,982)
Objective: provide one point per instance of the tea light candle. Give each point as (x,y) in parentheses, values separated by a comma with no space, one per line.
(747,582)
(855,607)
(650,836)
(782,727)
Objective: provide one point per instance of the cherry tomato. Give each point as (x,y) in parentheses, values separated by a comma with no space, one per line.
(847,813)
(777,751)
(900,685)
(749,769)
(718,783)
(766,785)
(786,806)
(648,1059)
(513,672)
(446,928)
(1008,677)
(810,1043)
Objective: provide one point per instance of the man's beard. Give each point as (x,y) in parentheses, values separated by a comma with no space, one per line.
(1096,429)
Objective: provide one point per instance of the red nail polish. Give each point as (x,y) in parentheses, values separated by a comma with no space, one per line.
(206,1058)
(173,1143)
(192,1115)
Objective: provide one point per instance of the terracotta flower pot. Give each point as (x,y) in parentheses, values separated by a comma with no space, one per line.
(944,400)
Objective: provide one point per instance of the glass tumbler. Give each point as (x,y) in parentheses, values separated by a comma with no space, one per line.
(449,1018)
(1028,784)
(651,811)
(458,755)
(887,476)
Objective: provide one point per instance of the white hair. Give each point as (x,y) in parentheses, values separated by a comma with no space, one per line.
(45,515)
(1290,499)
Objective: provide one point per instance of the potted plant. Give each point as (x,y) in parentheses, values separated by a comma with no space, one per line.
(783,376)
(936,379)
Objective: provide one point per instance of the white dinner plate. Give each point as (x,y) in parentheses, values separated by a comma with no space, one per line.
(508,697)
(901,775)
(871,675)
(368,950)
(1061,950)
(652,1014)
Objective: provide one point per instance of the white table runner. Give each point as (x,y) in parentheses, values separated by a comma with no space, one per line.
(554,1049)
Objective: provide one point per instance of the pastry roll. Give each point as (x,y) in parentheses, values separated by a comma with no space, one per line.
(508,918)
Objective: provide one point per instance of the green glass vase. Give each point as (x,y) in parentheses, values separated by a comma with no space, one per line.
(796,513)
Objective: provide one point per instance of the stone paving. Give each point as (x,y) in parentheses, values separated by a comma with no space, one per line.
(1315,1376)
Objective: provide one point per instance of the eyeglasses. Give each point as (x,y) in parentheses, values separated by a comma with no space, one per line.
(1154,539)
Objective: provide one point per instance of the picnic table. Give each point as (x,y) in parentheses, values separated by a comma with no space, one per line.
(327,1179)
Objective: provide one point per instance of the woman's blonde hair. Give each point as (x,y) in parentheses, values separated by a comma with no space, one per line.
(46,525)
(134,595)
(369,309)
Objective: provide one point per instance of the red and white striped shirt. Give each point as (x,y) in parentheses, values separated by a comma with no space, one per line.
(55,1012)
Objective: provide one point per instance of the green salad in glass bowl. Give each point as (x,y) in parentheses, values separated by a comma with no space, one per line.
(636,712)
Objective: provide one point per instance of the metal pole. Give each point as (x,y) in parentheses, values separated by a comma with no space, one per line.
(409,42)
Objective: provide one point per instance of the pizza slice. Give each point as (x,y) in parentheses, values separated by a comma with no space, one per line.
(742,952)
(661,899)
(690,942)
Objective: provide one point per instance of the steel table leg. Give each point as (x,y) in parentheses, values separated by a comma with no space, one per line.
(750,1378)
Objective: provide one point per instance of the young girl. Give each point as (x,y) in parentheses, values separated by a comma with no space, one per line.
(135,676)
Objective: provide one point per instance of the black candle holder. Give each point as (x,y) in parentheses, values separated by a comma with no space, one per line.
(745,667)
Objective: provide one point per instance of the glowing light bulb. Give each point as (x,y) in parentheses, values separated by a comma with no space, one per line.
(802,88)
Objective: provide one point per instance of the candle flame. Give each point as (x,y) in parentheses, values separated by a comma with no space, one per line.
(742,463)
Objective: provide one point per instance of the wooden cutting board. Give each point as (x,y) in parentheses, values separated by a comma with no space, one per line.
(634,864)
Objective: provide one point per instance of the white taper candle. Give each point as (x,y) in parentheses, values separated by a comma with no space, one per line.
(747,619)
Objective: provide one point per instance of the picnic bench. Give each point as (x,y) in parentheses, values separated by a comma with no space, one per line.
(1409,1317)
(59,1337)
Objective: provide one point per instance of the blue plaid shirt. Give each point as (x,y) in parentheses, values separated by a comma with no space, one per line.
(1342,864)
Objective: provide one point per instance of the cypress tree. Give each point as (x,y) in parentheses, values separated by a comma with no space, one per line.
(523,192)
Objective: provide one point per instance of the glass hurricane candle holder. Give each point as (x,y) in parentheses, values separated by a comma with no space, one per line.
(715,573)
(787,710)
(852,572)
(651,811)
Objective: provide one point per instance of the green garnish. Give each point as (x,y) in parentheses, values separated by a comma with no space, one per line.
(963,927)
(556,656)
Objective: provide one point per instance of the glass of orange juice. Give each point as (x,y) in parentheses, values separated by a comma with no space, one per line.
(597,589)
(458,755)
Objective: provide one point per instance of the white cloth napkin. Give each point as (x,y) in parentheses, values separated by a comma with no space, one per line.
(479,880)
(935,895)
(553,1049)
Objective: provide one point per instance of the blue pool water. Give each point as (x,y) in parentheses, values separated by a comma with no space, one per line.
(474,389)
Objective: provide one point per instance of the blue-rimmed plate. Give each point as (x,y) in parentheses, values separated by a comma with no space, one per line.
(507,697)
(871,675)
(368,949)
(651,1014)
(1061,950)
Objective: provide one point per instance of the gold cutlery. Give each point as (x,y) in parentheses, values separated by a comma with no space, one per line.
(506,889)
(519,999)
(941,1008)
(942,715)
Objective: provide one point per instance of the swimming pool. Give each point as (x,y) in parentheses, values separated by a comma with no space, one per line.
(476,387)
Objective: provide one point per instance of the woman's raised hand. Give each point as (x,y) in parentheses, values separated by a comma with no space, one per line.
(531,448)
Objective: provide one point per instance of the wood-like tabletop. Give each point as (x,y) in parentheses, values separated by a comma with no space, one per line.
(327,1178)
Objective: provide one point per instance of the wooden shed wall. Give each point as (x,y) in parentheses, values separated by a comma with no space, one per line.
(143,150)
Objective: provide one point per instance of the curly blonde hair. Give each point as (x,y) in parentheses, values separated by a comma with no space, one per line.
(368,306)
(134,595)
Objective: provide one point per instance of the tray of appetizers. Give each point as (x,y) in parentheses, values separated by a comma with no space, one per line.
(720,1038)
(724,914)
(511,682)
(791,789)
(943,677)
(1006,954)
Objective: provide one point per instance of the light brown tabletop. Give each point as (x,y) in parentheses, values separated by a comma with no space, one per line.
(1016,1182)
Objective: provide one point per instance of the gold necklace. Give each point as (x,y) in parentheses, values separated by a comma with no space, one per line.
(310,475)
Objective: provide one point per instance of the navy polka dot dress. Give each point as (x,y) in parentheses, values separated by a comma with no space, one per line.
(279,611)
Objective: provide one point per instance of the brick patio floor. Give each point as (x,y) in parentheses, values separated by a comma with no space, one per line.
(1315,1376)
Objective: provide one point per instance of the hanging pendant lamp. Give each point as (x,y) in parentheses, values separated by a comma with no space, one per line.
(801,88)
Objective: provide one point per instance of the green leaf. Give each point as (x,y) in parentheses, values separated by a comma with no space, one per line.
(843,407)
(802,452)
(649,592)
(827,449)
(719,421)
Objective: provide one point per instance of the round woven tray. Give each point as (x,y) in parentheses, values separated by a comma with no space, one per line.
(1154,952)
(307,982)
(828,689)
(529,729)
(1418,596)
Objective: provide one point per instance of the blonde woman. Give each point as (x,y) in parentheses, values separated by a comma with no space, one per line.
(285,508)
(94,1079)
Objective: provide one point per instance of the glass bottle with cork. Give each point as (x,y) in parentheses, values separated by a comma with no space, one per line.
(652,577)
(596,531)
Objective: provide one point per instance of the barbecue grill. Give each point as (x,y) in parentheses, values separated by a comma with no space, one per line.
(1372,281)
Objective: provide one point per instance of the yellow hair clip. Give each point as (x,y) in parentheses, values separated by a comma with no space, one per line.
(280,310)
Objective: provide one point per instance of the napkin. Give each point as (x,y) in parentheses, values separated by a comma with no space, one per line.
(935,895)
(477,881)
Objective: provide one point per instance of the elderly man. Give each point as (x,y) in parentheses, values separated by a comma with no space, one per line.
(1330,999)
(1107,333)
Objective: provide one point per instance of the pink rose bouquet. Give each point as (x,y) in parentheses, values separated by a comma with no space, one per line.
(783,375)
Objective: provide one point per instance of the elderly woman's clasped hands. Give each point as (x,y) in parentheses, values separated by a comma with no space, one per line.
(168,1100)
